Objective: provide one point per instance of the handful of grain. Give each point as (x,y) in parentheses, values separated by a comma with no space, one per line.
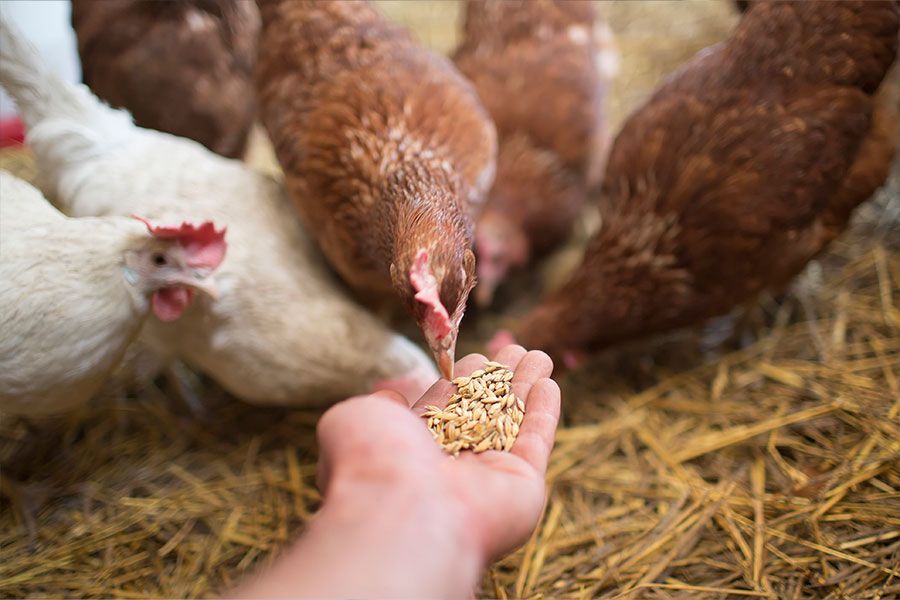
(482,415)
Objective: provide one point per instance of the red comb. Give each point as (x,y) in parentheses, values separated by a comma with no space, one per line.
(204,246)
(426,286)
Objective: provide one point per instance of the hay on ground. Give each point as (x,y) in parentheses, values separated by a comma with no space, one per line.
(681,469)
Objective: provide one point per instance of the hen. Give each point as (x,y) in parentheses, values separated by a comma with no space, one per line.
(282,330)
(75,292)
(542,68)
(386,150)
(183,67)
(738,171)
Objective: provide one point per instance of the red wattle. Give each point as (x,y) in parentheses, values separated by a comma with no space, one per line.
(170,303)
(12,132)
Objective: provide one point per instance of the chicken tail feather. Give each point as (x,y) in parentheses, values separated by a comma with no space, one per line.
(65,122)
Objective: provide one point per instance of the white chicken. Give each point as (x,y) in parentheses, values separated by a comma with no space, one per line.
(75,292)
(282,331)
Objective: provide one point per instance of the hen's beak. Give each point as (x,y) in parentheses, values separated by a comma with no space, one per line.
(484,292)
(202,284)
(208,287)
(444,358)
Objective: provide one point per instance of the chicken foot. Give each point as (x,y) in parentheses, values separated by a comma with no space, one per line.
(27,500)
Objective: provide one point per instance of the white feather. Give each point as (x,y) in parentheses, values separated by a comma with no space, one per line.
(283,330)
(66,311)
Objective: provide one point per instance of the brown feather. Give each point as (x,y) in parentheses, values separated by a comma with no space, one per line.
(385,147)
(184,67)
(740,168)
(534,65)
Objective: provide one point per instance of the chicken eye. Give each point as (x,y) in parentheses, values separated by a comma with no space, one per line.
(159,260)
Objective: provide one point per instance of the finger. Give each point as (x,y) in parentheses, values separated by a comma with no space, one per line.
(393,396)
(469,363)
(538,430)
(330,438)
(327,426)
(510,356)
(533,366)
(439,394)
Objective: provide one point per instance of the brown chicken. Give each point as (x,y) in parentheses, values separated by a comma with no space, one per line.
(182,67)
(542,69)
(387,154)
(739,169)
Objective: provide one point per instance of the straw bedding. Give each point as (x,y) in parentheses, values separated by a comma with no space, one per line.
(688,466)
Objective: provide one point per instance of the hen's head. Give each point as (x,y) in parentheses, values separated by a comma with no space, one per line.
(532,204)
(435,284)
(173,263)
(501,246)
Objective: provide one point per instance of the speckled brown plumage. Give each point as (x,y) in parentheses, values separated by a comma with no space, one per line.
(184,67)
(535,66)
(385,147)
(740,168)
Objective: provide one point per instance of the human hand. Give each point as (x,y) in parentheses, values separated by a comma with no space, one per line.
(497,496)
(401,518)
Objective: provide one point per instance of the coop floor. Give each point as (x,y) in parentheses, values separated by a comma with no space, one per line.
(681,469)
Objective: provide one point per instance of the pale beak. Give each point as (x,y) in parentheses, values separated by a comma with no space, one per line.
(205,285)
(444,358)
(484,293)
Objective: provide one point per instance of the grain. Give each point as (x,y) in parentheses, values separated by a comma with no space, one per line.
(613,502)
(484,414)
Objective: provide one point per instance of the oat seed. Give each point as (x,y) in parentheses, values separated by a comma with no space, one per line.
(483,414)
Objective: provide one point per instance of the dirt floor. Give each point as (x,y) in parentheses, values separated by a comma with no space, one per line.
(683,467)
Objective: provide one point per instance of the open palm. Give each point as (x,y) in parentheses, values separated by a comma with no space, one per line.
(500,494)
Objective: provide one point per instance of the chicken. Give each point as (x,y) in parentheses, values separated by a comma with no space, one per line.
(76,291)
(182,67)
(542,69)
(387,154)
(282,330)
(739,170)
